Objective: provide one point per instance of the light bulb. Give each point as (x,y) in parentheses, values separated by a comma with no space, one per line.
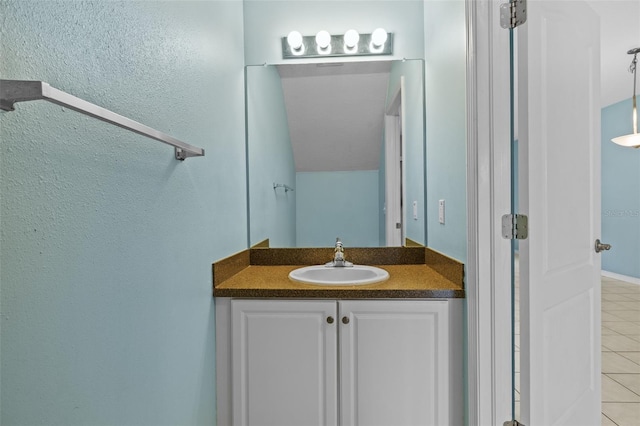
(379,37)
(295,40)
(351,38)
(323,39)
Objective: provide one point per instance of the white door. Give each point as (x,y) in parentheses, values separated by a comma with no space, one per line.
(559,142)
(394,363)
(284,367)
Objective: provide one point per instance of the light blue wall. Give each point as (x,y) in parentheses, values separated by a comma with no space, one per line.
(337,204)
(620,194)
(266,21)
(273,212)
(414,142)
(106,240)
(445,70)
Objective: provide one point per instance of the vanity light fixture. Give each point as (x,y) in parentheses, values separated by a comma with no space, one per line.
(323,44)
(632,140)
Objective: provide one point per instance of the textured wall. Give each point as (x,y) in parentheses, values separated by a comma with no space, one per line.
(445,55)
(620,194)
(106,240)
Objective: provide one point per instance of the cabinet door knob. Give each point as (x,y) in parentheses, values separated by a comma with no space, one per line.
(330,319)
(345,320)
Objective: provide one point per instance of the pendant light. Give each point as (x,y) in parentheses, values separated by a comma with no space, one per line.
(633,139)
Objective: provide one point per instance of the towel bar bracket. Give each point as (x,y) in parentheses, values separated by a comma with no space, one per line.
(182,154)
(6,105)
(287,188)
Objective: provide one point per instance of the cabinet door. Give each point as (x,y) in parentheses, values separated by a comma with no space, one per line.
(284,362)
(394,364)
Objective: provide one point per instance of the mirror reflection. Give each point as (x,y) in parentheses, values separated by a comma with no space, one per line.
(336,150)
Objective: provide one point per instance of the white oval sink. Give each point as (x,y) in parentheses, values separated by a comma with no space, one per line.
(330,275)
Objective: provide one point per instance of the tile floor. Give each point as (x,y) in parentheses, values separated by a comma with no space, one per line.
(620,353)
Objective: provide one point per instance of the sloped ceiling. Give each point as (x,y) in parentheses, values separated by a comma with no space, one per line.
(336,114)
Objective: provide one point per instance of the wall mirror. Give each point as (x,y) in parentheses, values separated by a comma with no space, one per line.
(336,150)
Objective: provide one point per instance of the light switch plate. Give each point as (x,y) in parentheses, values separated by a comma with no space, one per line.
(441,211)
(415,210)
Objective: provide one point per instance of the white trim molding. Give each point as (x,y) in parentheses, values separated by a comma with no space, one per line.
(625,278)
(488,191)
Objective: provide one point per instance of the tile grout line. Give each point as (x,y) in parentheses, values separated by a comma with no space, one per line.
(625,386)
(610,419)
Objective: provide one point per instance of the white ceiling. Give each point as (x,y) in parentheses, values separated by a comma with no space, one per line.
(619,32)
(336,121)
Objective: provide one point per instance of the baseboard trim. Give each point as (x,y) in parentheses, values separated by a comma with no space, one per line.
(626,278)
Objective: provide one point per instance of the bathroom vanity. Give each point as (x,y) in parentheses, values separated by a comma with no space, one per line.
(294,354)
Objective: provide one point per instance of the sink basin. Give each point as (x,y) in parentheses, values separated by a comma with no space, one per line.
(328,275)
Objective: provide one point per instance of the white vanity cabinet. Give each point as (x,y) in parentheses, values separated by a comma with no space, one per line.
(394,366)
(339,362)
(284,367)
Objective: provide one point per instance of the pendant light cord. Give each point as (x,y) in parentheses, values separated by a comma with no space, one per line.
(632,140)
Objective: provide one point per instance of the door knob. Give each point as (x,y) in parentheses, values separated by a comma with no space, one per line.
(345,320)
(330,319)
(601,246)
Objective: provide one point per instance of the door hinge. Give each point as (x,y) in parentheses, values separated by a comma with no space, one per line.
(513,14)
(512,423)
(515,226)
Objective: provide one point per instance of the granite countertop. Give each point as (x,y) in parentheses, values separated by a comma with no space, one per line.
(414,272)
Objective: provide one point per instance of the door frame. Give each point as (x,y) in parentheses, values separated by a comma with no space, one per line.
(488,285)
(394,172)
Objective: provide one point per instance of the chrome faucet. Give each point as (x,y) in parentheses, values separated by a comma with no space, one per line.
(338,256)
